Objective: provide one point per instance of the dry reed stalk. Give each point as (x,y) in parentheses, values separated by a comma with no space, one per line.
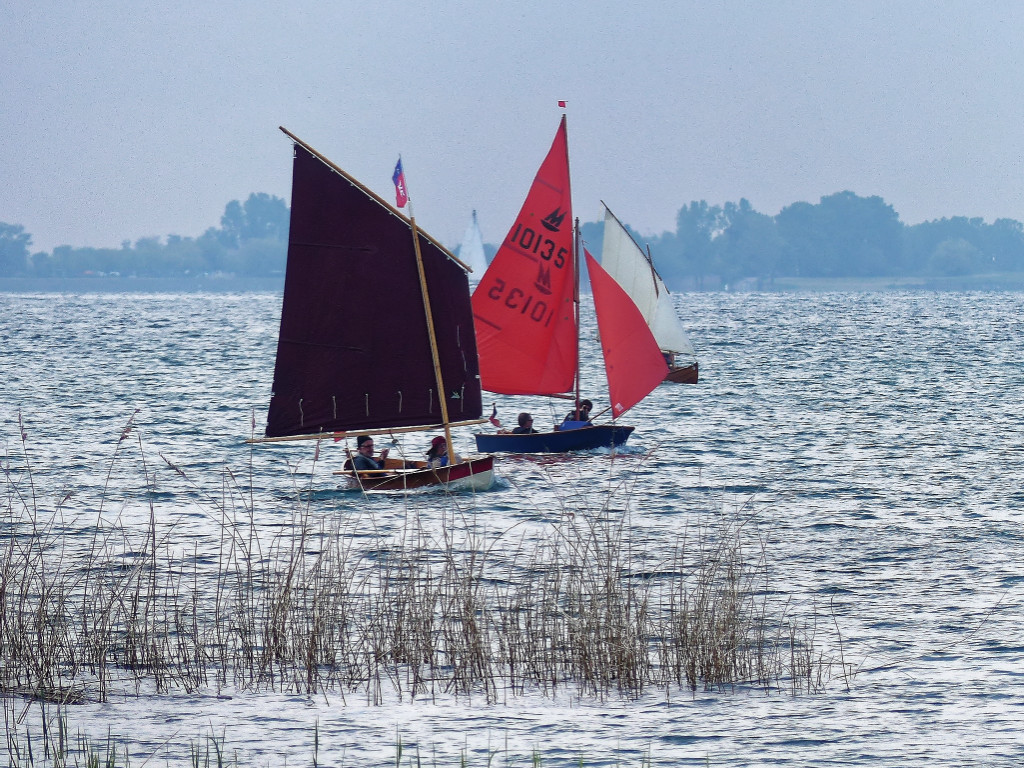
(426,612)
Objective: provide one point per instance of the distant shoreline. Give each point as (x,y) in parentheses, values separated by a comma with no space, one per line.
(142,284)
(1003,281)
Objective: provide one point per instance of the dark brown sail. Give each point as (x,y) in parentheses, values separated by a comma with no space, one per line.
(354,352)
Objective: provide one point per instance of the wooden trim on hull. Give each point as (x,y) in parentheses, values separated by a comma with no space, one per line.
(473,474)
(687,375)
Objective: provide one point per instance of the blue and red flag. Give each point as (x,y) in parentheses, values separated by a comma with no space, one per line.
(401,192)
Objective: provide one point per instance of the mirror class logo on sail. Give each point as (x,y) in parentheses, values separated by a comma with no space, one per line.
(540,248)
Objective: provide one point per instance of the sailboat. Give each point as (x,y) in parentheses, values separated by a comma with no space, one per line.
(634,270)
(376,330)
(526,310)
(471,250)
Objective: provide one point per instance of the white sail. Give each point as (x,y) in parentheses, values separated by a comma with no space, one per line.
(471,251)
(626,262)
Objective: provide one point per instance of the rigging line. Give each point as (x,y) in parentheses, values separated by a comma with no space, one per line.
(654,274)
(369,193)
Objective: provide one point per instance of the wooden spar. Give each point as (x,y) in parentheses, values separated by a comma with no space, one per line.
(441,392)
(654,272)
(576,303)
(575,267)
(343,435)
(411,220)
(650,261)
(369,192)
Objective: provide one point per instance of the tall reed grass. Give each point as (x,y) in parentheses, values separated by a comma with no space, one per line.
(319,604)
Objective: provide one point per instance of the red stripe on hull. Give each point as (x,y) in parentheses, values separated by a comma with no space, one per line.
(474,474)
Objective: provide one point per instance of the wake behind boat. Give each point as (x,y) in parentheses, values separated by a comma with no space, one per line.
(526,311)
(376,330)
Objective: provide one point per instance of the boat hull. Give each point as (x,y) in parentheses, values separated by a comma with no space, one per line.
(586,438)
(687,375)
(476,473)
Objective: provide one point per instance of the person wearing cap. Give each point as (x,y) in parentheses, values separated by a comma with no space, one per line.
(363,460)
(437,456)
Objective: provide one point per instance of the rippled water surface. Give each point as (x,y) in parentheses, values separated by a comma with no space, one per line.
(875,437)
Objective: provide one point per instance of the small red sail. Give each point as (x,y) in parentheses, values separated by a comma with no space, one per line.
(523,309)
(632,360)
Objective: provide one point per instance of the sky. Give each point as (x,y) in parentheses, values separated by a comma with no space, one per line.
(124,120)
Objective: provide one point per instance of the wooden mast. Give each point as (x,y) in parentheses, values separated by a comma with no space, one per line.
(576,307)
(446,424)
(654,272)
(575,267)
(441,392)
(650,260)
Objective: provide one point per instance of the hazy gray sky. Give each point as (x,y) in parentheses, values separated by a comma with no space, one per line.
(123,120)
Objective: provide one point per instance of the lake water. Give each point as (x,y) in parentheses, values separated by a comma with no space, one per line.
(874,438)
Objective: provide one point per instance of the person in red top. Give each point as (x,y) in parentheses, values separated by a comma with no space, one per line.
(437,456)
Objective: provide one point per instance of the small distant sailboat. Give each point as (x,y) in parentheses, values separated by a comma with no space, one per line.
(471,251)
(634,270)
(376,330)
(526,310)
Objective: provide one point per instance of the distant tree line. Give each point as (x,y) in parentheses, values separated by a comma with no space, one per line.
(843,235)
(251,241)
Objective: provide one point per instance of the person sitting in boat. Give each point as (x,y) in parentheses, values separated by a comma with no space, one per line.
(363,460)
(437,456)
(578,417)
(525,425)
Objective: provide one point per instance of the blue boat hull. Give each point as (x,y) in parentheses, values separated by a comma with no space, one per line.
(586,438)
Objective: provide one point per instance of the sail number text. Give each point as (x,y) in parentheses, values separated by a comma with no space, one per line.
(517,299)
(534,242)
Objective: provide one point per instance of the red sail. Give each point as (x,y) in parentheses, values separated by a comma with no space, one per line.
(523,308)
(634,364)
